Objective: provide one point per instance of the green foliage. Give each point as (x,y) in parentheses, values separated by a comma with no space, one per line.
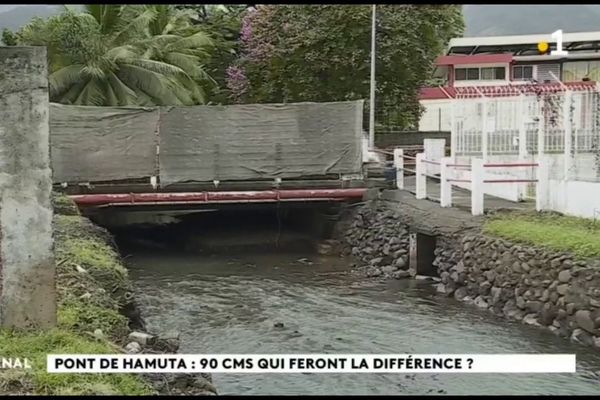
(222,23)
(36,346)
(579,236)
(8,38)
(113,55)
(322,53)
(91,283)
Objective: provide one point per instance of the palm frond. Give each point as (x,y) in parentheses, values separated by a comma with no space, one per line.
(150,82)
(63,79)
(124,93)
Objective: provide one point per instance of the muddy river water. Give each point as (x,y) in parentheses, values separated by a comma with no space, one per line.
(232,304)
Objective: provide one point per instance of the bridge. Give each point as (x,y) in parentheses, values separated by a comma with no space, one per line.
(193,157)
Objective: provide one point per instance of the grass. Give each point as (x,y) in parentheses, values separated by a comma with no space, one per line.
(36,346)
(92,285)
(579,236)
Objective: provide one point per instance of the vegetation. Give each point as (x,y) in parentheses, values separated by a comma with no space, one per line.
(322,53)
(92,288)
(36,346)
(113,55)
(223,24)
(579,236)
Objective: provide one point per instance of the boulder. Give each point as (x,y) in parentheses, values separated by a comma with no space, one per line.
(144,339)
(585,321)
(564,276)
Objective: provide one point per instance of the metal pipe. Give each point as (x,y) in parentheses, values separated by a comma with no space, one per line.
(510,181)
(219,197)
(511,165)
(372,94)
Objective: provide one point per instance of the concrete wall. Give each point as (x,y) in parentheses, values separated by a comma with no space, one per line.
(577,198)
(27,271)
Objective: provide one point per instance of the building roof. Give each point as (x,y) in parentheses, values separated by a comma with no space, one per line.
(439,93)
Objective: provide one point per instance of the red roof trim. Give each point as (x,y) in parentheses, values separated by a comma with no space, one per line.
(436,93)
(474,59)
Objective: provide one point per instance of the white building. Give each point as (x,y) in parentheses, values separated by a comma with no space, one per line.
(504,102)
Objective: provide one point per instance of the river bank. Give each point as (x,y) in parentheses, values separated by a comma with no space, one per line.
(487,263)
(96,315)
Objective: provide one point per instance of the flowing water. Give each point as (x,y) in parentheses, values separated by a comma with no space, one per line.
(229,304)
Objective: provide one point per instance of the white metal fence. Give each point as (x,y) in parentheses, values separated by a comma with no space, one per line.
(565,125)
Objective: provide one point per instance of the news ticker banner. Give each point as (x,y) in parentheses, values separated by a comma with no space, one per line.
(313,363)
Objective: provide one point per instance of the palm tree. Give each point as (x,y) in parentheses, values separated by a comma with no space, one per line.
(172,39)
(101,57)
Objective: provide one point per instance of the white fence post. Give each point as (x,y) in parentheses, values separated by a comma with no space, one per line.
(399,165)
(484,129)
(420,177)
(543,185)
(445,186)
(568,133)
(477,176)
(453,131)
(522,118)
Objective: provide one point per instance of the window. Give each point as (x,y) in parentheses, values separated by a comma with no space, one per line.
(475,74)
(576,71)
(522,72)
(489,74)
(472,74)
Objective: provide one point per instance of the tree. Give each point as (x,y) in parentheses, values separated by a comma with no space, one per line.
(8,37)
(222,23)
(111,55)
(322,53)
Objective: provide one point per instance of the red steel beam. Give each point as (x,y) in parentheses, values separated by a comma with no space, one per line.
(218,197)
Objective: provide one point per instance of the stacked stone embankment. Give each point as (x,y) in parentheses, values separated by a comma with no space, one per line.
(530,284)
(524,283)
(379,242)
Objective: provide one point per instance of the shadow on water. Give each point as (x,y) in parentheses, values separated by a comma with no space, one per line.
(235,302)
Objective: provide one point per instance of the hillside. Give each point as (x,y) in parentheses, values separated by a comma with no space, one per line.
(492,20)
(14,18)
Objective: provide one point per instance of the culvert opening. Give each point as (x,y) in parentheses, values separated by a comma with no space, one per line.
(273,228)
(422,254)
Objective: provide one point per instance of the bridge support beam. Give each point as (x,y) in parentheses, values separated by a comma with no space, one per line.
(27,271)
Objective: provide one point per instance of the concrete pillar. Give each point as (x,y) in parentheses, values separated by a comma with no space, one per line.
(421,254)
(27,271)
(477,175)
(445,186)
(399,165)
(543,185)
(434,150)
(420,177)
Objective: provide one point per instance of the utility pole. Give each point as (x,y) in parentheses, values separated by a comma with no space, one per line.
(372,96)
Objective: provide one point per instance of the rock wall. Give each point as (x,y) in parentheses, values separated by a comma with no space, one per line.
(378,239)
(524,283)
(27,271)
